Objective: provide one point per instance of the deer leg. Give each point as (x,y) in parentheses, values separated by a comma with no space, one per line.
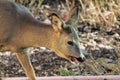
(26,64)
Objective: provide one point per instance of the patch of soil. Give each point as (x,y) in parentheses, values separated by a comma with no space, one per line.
(45,63)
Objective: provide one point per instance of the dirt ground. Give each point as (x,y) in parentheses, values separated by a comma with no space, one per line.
(45,63)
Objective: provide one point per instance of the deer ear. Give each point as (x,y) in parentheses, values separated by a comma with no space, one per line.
(56,22)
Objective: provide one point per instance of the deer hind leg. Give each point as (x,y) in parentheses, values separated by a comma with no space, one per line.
(26,64)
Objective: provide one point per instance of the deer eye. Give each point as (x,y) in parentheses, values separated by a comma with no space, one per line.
(70,43)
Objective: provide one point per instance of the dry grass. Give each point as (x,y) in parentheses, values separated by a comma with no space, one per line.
(103,13)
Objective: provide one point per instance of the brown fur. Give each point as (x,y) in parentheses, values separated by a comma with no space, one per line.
(19,30)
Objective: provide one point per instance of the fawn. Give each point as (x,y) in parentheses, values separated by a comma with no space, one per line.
(20,30)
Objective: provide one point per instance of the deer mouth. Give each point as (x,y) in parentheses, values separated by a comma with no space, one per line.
(76,60)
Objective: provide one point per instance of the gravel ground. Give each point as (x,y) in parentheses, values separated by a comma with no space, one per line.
(45,63)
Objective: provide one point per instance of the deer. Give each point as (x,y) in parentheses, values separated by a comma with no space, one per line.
(20,30)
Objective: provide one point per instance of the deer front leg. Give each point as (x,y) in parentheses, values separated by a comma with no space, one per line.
(26,64)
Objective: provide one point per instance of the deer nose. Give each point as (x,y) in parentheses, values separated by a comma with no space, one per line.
(81,58)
